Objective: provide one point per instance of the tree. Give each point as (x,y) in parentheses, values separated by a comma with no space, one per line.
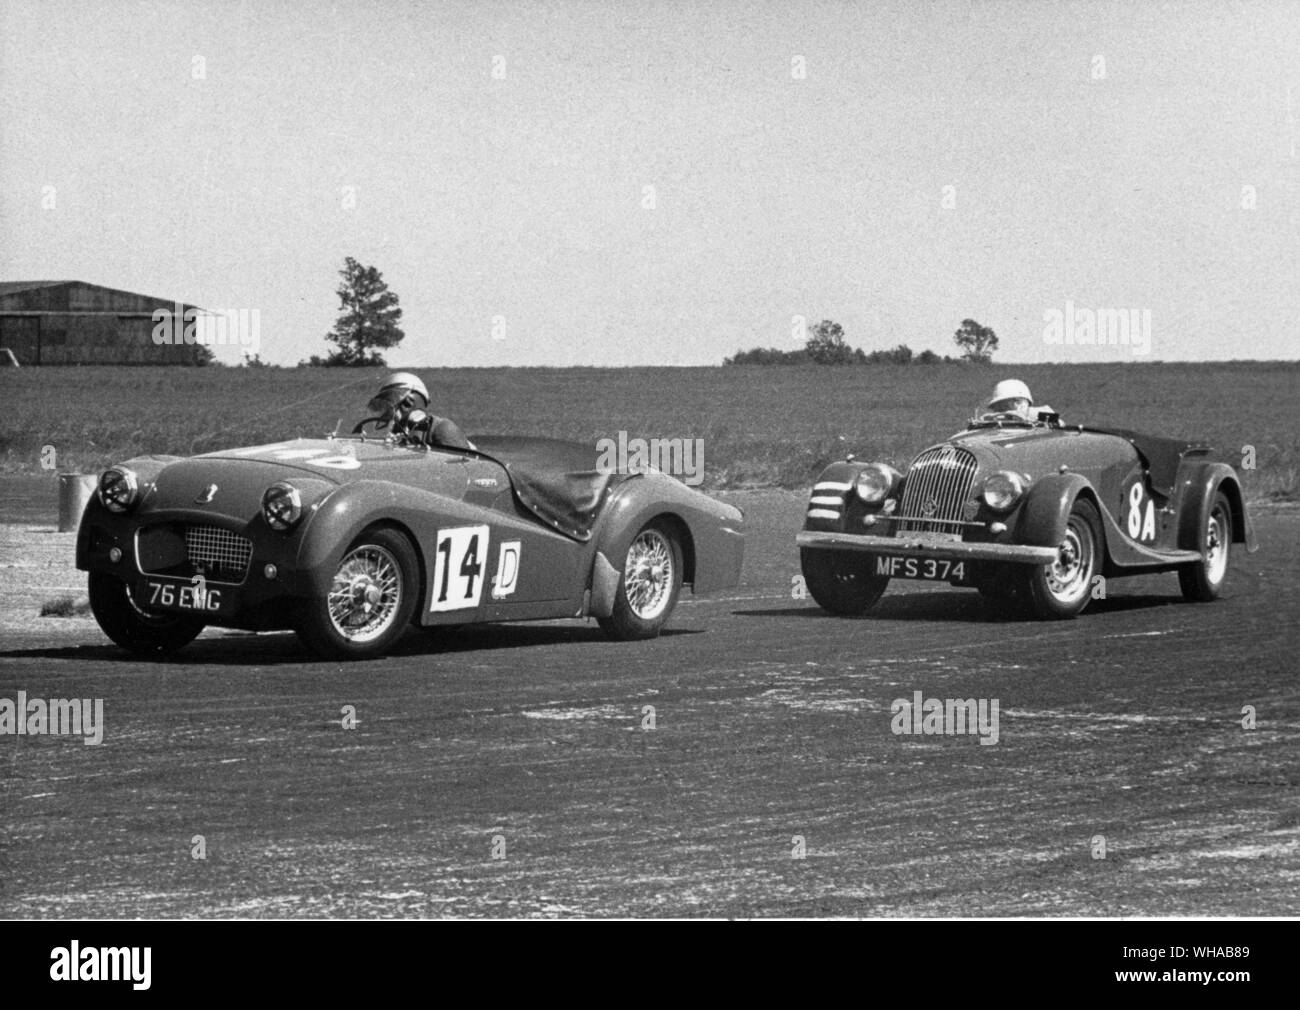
(368,317)
(977,342)
(826,345)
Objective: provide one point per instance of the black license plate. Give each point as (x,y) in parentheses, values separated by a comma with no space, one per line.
(175,594)
(929,569)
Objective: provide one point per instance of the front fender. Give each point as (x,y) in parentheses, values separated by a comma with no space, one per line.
(341,516)
(1197,485)
(829,502)
(1046,509)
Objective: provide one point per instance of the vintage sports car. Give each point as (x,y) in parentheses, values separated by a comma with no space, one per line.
(1028,510)
(348,540)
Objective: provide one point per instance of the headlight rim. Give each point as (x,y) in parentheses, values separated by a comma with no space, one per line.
(279,491)
(128,477)
(890,478)
(1018,487)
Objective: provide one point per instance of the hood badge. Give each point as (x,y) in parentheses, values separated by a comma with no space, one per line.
(206,495)
(485,482)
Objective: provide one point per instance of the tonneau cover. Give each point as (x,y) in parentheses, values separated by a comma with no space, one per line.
(557,481)
(1161,455)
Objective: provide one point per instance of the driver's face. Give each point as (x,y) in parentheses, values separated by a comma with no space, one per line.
(1015,405)
(387,402)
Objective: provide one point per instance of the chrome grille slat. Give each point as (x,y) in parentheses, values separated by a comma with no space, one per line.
(943,475)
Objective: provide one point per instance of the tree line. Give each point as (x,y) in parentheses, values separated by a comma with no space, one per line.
(369,314)
(826,346)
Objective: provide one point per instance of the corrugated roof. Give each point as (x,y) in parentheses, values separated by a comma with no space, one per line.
(10,287)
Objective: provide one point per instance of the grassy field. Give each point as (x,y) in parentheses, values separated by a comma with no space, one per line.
(761,426)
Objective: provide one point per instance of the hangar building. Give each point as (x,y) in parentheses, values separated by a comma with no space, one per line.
(75,323)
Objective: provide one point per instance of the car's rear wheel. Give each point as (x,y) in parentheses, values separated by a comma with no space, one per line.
(1060,590)
(841,581)
(370,599)
(145,632)
(1202,581)
(648,585)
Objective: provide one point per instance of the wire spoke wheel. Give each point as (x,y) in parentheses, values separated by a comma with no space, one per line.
(366,594)
(647,588)
(648,574)
(369,602)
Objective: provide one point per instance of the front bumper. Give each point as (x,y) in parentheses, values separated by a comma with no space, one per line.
(256,602)
(912,546)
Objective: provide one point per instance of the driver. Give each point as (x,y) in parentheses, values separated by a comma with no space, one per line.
(403,401)
(1011,396)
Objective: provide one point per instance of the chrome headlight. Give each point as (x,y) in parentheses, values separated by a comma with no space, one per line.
(875,483)
(119,489)
(281,505)
(1003,490)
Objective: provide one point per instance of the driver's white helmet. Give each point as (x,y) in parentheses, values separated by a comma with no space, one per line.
(1010,389)
(400,389)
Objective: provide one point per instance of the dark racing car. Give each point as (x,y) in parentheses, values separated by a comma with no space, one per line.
(1028,510)
(349,540)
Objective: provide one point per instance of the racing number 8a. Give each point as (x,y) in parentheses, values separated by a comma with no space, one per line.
(1141,525)
(458,568)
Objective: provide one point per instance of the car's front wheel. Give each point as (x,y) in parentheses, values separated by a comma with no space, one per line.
(370,599)
(648,586)
(841,581)
(1202,581)
(145,632)
(1060,590)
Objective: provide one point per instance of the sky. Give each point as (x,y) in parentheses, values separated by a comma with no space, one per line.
(617,183)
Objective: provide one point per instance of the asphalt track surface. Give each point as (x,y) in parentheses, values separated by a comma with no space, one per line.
(511,770)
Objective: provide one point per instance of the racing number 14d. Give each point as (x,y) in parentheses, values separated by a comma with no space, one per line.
(458,568)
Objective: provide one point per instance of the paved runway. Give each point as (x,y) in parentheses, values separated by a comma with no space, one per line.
(512,770)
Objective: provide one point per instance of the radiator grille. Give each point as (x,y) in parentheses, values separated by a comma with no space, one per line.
(936,490)
(218,552)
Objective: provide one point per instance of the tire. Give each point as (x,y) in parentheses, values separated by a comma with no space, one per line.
(373,593)
(1005,592)
(840,581)
(1202,582)
(1061,590)
(998,584)
(144,632)
(648,586)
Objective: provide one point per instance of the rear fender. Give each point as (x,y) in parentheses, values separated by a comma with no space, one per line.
(1198,483)
(709,532)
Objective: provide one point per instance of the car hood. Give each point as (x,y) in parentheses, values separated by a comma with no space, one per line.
(1039,451)
(314,466)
